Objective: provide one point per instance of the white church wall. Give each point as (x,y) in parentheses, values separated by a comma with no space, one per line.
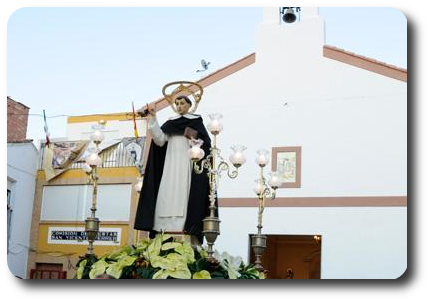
(357,243)
(351,147)
(352,126)
(351,123)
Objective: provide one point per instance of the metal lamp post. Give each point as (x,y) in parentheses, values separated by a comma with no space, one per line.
(90,168)
(215,165)
(263,191)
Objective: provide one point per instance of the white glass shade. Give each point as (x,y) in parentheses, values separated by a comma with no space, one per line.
(215,126)
(195,152)
(93,160)
(259,187)
(97,137)
(262,157)
(238,158)
(275,180)
(201,154)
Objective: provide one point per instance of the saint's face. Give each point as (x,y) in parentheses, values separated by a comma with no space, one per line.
(182,106)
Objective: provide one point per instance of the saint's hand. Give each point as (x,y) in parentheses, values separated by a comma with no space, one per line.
(147,110)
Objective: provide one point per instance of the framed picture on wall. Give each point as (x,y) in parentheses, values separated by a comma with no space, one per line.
(288,162)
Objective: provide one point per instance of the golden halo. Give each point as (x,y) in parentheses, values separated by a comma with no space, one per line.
(184,88)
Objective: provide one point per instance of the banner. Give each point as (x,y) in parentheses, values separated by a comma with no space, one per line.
(77,235)
(134,148)
(59,156)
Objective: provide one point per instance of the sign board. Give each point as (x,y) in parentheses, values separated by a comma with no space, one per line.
(77,235)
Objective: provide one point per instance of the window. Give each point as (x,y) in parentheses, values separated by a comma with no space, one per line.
(73,202)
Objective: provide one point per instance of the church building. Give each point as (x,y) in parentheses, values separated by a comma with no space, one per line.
(335,124)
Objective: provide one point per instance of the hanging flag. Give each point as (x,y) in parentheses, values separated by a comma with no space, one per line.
(136,135)
(47,142)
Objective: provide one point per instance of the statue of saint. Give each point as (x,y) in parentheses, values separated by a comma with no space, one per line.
(173,198)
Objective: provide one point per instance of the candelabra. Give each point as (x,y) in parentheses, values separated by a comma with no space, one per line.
(90,168)
(263,191)
(215,165)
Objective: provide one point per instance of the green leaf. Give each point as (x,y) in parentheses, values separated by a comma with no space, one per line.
(164,237)
(161,274)
(126,261)
(117,254)
(114,270)
(252,271)
(98,268)
(187,251)
(81,268)
(202,275)
(155,247)
(161,262)
(182,273)
(170,245)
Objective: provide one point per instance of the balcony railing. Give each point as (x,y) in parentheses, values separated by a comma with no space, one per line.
(116,157)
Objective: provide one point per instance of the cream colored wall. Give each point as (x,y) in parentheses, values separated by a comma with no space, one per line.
(68,255)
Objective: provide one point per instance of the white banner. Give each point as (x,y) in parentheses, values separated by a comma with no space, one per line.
(77,235)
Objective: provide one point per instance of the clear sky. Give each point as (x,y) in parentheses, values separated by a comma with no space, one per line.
(79,61)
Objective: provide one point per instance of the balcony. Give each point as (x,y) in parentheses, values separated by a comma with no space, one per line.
(125,152)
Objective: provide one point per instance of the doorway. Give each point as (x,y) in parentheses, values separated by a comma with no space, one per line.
(291,256)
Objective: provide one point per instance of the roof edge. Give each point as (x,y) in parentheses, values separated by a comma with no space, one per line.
(9,98)
(366,63)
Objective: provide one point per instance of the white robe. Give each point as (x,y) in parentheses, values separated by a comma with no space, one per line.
(172,200)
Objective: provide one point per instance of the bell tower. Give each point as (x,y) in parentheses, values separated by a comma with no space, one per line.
(303,36)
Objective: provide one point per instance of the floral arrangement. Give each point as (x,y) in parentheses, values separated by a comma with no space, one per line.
(164,258)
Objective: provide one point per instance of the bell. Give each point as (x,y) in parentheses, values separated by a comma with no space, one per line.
(289,17)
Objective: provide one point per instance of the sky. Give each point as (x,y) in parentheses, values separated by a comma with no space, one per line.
(81,61)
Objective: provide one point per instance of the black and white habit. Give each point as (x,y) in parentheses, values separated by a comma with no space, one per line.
(173,197)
